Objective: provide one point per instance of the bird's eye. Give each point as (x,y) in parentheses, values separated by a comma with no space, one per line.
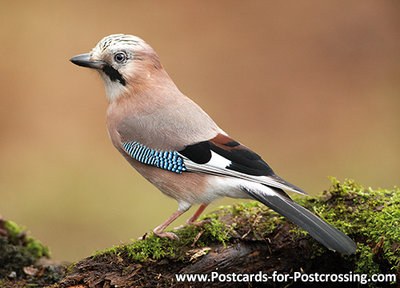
(120,57)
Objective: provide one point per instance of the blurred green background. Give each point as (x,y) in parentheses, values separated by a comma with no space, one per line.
(312,86)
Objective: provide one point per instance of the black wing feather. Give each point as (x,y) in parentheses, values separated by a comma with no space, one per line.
(199,153)
(242,159)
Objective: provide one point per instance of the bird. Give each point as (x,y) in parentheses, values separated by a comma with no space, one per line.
(176,146)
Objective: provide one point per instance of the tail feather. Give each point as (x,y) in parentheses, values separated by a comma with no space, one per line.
(320,230)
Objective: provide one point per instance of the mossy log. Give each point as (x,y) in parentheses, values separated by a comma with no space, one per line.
(250,238)
(24,260)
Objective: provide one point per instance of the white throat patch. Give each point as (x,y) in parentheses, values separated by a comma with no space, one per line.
(114,89)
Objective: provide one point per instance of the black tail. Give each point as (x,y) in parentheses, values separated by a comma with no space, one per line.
(320,230)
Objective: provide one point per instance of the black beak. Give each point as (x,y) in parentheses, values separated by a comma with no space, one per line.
(84,61)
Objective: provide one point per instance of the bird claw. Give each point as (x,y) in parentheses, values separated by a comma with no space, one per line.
(201,223)
(169,235)
(197,224)
(180,227)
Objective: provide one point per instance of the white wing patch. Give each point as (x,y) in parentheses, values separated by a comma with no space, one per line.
(218,161)
(218,165)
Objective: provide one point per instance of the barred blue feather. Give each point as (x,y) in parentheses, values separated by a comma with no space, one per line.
(167,160)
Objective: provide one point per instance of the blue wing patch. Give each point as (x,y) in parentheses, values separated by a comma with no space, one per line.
(167,160)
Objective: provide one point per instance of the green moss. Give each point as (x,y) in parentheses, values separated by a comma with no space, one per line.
(252,218)
(17,234)
(154,247)
(365,261)
(369,216)
(17,249)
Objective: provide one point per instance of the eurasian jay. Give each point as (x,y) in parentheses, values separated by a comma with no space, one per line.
(176,146)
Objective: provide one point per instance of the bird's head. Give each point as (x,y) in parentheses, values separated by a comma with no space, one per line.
(123,61)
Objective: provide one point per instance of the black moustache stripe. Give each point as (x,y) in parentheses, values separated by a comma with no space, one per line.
(114,74)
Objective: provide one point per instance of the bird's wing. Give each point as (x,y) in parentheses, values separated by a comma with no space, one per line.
(219,156)
(225,157)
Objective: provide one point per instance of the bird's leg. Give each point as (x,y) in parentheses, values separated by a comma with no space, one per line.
(159,230)
(192,220)
(196,215)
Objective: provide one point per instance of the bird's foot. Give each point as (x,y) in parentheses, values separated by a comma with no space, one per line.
(169,235)
(200,223)
(180,227)
(197,223)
